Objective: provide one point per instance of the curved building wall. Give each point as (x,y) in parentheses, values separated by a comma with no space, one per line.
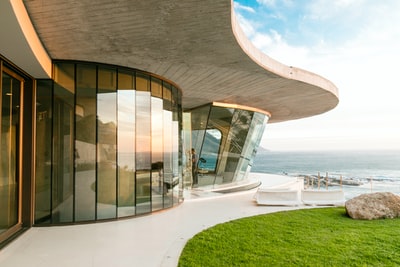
(108,144)
(226,140)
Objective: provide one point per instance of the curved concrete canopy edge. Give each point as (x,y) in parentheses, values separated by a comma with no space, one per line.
(274,66)
(198,45)
(19,41)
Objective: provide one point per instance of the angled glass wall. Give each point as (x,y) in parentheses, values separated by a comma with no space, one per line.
(107,144)
(225,140)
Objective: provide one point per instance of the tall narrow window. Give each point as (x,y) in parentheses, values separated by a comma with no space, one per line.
(85,143)
(9,138)
(44,107)
(143,144)
(157,161)
(63,144)
(106,144)
(126,144)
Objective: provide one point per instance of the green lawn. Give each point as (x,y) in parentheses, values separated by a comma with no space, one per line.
(306,237)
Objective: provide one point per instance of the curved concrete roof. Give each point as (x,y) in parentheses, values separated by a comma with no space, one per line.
(196,44)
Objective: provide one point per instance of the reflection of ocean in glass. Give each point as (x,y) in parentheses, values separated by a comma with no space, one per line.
(125,161)
(208,163)
(373,170)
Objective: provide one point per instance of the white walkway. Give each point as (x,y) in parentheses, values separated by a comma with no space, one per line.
(153,240)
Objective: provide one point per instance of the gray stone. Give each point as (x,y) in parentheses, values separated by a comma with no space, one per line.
(374,206)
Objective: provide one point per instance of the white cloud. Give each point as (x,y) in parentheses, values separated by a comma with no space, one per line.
(273,3)
(266,2)
(362,65)
(238,7)
(246,25)
(324,10)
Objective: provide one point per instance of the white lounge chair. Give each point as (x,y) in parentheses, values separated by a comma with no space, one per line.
(323,198)
(277,197)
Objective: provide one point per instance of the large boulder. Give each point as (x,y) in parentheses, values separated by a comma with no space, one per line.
(374,206)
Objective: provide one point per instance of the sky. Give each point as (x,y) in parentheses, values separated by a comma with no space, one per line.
(353,43)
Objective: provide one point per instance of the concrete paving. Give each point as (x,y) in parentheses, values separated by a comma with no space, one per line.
(152,240)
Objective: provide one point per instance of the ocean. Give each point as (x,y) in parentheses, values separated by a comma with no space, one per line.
(367,171)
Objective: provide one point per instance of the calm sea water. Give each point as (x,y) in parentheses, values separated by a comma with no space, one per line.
(374,170)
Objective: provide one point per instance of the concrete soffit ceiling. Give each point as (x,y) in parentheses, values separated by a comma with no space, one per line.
(19,41)
(198,45)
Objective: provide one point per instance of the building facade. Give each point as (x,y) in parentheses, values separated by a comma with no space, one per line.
(101,121)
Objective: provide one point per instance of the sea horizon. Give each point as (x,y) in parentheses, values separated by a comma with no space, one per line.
(371,170)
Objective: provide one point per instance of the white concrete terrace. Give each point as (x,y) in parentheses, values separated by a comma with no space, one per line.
(153,240)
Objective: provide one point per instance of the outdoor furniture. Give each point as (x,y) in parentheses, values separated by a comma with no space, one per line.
(277,197)
(323,197)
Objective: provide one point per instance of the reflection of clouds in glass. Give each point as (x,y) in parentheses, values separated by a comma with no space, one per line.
(107,107)
(126,111)
(126,121)
(157,125)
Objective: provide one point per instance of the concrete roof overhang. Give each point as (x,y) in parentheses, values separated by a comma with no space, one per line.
(198,45)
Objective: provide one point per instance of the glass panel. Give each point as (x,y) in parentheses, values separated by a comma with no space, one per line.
(63,146)
(156,87)
(106,144)
(176,146)
(199,120)
(168,160)
(85,143)
(250,147)
(143,150)
(167,94)
(157,153)
(186,139)
(259,123)
(237,136)
(44,105)
(126,145)
(168,171)
(9,180)
(175,160)
(126,80)
(209,154)
(64,75)
(142,82)
(218,127)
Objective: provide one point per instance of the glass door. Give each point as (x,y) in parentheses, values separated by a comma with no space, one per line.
(10,219)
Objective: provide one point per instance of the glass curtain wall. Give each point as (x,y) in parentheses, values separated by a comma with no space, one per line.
(107,144)
(226,140)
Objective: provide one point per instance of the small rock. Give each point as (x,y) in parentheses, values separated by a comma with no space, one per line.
(372,206)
